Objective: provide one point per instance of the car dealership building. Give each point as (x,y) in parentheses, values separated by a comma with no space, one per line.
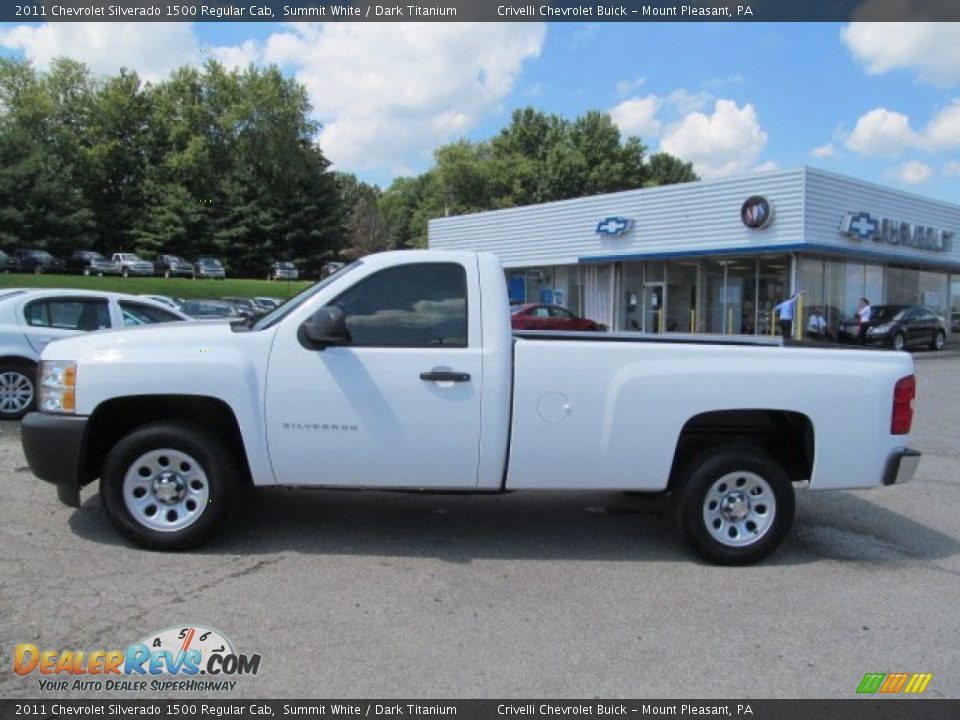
(716,256)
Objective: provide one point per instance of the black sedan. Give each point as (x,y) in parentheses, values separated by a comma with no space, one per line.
(900,327)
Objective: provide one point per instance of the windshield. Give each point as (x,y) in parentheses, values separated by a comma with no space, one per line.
(286,265)
(128,256)
(209,261)
(886,313)
(272,318)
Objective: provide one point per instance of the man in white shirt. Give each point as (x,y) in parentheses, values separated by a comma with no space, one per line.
(817,325)
(863,319)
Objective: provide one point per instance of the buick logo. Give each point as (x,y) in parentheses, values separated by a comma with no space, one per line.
(613,226)
(756,212)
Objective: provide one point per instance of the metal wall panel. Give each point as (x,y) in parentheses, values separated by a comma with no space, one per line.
(830,197)
(681,218)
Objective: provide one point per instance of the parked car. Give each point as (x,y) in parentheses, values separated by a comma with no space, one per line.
(210,310)
(900,327)
(172,266)
(401,372)
(132,264)
(246,307)
(30,319)
(88,262)
(955,322)
(283,271)
(547,317)
(207,267)
(170,302)
(38,261)
(8,263)
(267,303)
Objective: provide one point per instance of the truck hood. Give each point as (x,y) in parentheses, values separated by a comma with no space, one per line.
(190,336)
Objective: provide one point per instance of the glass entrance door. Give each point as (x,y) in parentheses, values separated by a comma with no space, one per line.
(653,307)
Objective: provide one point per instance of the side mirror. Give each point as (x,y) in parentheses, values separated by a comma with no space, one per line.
(327,326)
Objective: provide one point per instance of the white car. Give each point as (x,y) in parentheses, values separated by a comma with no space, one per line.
(30,319)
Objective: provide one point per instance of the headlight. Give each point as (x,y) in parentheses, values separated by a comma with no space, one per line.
(880,329)
(58,386)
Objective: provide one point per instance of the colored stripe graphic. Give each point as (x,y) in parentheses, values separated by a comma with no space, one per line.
(894,683)
(918,682)
(871,682)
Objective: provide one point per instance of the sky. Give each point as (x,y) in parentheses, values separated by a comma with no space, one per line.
(880,102)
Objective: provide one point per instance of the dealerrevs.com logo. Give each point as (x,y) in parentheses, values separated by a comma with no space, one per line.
(190,658)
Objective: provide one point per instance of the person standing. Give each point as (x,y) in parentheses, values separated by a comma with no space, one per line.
(863,319)
(786,311)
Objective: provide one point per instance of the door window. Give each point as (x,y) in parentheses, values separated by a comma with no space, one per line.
(69,314)
(139,314)
(422,305)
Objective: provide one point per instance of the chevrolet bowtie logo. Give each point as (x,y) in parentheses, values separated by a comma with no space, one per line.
(860,226)
(614,226)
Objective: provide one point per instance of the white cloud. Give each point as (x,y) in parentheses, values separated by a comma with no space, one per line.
(952,168)
(912,173)
(724,143)
(882,132)
(930,49)
(943,131)
(153,49)
(824,151)
(625,87)
(237,56)
(638,116)
(684,101)
(768,166)
(388,94)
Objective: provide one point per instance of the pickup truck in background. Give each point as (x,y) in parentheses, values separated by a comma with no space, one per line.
(400,371)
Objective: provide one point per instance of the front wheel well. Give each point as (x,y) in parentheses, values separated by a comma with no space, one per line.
(116,418)
(786,436)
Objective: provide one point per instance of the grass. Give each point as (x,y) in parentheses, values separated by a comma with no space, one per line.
(172,287)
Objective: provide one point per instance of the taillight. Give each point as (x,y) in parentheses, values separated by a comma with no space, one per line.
(903,393)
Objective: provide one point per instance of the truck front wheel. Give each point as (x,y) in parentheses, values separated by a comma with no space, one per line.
(735,505)
(168,486)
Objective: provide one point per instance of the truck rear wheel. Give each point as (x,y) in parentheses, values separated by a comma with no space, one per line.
(168,486)
(735,505)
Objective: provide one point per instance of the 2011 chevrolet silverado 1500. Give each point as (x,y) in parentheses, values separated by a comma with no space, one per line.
(400,371)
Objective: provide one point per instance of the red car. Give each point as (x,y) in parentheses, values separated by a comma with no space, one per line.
(547,317)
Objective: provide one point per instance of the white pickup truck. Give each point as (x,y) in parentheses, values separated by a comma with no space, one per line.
(401,371)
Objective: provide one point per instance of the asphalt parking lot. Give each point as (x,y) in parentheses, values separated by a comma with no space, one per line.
(527,595)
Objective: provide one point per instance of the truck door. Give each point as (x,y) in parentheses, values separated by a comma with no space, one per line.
(399,403)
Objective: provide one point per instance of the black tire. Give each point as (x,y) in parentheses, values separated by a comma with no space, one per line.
(18,389)
(86,272)
(899,342)
(213,459)
(37,270)
(126,273)
(166,273)
(704,481)
(939,339)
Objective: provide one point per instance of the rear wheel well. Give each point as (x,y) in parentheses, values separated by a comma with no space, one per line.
(786,436)
(116,418)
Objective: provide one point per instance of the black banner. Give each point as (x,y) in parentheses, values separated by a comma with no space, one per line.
(481,10)
(872,709)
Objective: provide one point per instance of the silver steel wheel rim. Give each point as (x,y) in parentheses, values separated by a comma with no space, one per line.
(739,509)
(898,342)
(16,392)
(166,490)
(938,341)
